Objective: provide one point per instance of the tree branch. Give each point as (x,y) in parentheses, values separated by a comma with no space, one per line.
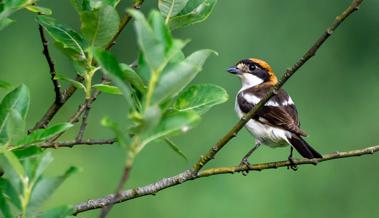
(49,60)
(289,72)
(55,107)
(195,172)
(187,175)
(70,144)
(83,126)
(125,176)
(83,108)
(278,164)
(124,21)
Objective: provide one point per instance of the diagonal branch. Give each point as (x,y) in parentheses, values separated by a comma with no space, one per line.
(55,107)
(125,176)
(72,143)
(289,72)
(83,108)
(83,126)
(49,60)
(124,21)
(195,172)
(187,175)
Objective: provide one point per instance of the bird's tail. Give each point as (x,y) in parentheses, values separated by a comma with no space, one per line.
(303,147)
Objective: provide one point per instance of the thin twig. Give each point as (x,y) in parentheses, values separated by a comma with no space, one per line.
(84,124)
(49,60)
(83,108)
(289,72)
(187,175)
(124,21)
(72,143)
(125,176)
(55,107)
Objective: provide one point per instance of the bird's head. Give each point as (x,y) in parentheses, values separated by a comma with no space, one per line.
(253,72)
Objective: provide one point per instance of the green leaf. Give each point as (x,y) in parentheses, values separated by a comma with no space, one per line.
(111,68)
(5,211)
(75,83)
(8,7)
(178,76)
(5,22)
(112,3)
(45,187)
(38,9)
(200,98)
(66,38)
(10,192)
(100,25)
(77,5)
(175,148)
(81,5)
(15,127)
(58,212)
(107,122)
(43,163)
(195,12)
(108,89)
(160,29)
(5,85)
(172,123)
(17,100)
(170,8)
(43,134)
(15,163)
(153,50)
(148,122)
(25,152)
(9,173)
(135,80)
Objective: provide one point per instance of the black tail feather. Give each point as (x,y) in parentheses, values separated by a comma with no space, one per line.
(303,147)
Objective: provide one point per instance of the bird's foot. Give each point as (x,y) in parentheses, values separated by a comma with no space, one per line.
(293,165)
(245,163)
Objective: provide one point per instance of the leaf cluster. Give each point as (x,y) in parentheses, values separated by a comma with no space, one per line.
(162,103)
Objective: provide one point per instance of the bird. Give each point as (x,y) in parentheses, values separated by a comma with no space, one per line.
(277,123)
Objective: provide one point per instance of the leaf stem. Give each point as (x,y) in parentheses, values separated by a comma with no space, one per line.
(169,12)
(26,196)
(152,84)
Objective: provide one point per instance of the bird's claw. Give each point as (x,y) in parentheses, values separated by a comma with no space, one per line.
(245,163)
(293,165)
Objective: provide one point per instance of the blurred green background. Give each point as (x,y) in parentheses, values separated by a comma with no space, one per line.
(336,94)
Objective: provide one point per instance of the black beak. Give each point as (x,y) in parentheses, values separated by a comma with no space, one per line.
(234,70)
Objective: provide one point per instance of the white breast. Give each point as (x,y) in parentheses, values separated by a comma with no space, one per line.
(268,135)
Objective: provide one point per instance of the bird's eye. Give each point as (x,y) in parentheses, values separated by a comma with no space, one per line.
(252,67)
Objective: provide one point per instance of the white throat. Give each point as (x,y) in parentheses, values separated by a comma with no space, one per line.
(249,80)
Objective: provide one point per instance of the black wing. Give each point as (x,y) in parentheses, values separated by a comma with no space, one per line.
(282,116)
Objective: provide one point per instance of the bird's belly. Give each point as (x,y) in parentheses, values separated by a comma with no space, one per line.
(268,135)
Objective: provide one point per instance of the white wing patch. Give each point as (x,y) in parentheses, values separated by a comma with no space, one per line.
(288,101)
(253,99)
